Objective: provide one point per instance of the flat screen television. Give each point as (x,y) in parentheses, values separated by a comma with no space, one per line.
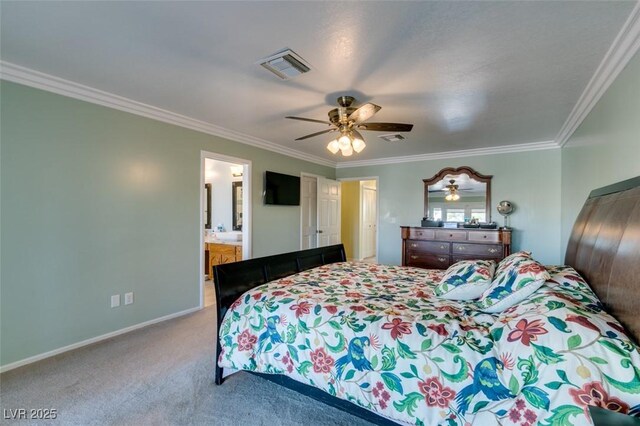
(281,190)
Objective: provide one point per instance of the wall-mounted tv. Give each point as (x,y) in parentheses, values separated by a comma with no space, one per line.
(282,190)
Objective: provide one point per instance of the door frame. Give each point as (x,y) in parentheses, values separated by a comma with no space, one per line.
(377,179)
(246,209)
(303,174)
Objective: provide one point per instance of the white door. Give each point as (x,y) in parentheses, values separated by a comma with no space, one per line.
(369,222)
(309,199)
(328,212)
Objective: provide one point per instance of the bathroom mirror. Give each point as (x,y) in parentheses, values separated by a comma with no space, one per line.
(458,195)
(207,206)
(236,203)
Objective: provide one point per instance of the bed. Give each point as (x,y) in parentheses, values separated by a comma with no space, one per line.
(374,340)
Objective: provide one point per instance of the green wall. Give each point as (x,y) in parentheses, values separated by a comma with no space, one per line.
(531,180)
(605,149)
(96,202)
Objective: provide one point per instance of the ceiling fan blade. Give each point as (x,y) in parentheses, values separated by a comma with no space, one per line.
(357,134)
(316,134)
(310,119)
(386,127)
(364,113)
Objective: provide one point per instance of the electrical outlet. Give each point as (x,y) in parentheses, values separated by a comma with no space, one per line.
(128,298)
(115,300)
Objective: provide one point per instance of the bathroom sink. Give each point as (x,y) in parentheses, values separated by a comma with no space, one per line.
(228,236)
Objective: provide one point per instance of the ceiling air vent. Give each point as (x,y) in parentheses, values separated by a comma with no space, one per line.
(285,64)
(392,138)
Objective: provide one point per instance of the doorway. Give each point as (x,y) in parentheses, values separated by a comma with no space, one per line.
(359,218)
(225,216)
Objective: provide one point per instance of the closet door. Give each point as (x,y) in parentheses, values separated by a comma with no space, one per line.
(328,212)
(309,206)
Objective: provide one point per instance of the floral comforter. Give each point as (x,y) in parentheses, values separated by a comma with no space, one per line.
(378,337)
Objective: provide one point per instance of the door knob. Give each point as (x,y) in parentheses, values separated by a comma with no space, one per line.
(319,231)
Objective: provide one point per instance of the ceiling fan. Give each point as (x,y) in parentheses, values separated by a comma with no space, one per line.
(347,120)
(452,190)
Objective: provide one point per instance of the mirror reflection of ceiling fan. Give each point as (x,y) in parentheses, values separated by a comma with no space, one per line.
(347,120)
(452,190)
(451,187)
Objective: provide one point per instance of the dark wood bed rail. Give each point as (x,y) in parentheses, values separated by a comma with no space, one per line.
(604,248)
(232,280)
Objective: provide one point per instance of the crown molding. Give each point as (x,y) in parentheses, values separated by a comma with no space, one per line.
(28,77)
(506,149)
(624,46)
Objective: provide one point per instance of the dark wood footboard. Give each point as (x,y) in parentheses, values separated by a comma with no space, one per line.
(232,280)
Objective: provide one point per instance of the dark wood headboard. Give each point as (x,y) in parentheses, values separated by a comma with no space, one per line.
(605,248)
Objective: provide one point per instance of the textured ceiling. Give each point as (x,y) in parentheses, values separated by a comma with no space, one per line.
(466,74)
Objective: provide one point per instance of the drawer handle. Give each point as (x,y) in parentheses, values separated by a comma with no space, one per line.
(450,235)
(419,233)
(493,250)
(443,247)
(414,257)
(442,259)
(484,236)
(414,245)
(461,248)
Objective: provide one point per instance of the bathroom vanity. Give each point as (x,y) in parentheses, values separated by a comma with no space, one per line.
(220,249)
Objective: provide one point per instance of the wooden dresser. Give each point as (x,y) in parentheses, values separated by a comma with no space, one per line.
(439,248)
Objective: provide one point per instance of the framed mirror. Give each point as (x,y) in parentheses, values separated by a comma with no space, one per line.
(207,206)
(458,195)
(236,203)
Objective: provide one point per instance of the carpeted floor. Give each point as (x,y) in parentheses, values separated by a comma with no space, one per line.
(160,375)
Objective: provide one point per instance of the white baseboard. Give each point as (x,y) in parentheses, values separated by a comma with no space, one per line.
(96,339)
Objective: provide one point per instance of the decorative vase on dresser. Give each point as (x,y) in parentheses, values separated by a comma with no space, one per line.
(439,248)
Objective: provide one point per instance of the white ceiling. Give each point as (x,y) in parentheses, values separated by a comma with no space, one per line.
(466,74)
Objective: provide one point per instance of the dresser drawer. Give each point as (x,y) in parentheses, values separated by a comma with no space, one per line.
(484,250)
(422,234)
(434,247)
(480,236)
(451,235)
(429,261)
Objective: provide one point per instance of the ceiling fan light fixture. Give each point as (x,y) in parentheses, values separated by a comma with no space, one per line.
(333,146)
(344,141)
(358,145)
(347,152)
(452,196)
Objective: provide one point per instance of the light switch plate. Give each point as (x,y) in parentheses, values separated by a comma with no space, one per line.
(115,300)
(128,298)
